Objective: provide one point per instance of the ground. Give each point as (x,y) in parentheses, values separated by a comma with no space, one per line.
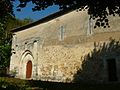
(17,84)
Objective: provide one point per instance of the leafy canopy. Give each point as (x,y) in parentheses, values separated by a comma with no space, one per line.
(5,12)
(6,38)
(7,22)
(97,9)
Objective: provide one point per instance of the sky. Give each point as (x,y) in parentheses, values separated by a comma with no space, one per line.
(28,13)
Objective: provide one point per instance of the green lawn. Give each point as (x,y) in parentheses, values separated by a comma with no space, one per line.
(18,84)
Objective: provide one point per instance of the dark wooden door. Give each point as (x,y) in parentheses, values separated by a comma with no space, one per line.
(112,72)
(28,69)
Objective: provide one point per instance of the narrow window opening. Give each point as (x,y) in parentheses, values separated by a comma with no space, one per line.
(90,26)
(61,33)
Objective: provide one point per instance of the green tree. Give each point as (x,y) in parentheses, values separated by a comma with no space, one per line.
(7,23)
(6,37)
(12,22)
(5,12)
(5,55)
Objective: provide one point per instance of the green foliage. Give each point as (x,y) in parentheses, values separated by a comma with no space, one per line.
(18,84)
(5,45)
(6,38)
(13,84)
(5,7)
(14,23)
(97,9)
(5,55)
(6,10)
(7,23)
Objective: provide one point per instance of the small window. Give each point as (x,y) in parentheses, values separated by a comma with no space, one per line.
(90,27)
(61,37)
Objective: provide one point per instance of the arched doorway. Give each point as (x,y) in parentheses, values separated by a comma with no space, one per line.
(28,69)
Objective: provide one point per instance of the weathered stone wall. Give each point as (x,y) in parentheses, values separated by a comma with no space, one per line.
(63,56)
(61,62)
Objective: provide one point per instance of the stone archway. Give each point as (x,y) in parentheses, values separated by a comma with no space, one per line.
(26,65)
(29,69)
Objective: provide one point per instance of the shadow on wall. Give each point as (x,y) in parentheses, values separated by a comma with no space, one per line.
(93,66)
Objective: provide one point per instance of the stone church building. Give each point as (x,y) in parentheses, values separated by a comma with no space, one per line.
(65,47)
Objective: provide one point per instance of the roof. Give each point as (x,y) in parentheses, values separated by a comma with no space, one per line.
(43,20)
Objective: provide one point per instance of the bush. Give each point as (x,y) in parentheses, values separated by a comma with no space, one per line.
(2,72)
(13,84)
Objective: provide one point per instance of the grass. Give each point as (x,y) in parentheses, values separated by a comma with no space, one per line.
(18,84)
(13,84)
